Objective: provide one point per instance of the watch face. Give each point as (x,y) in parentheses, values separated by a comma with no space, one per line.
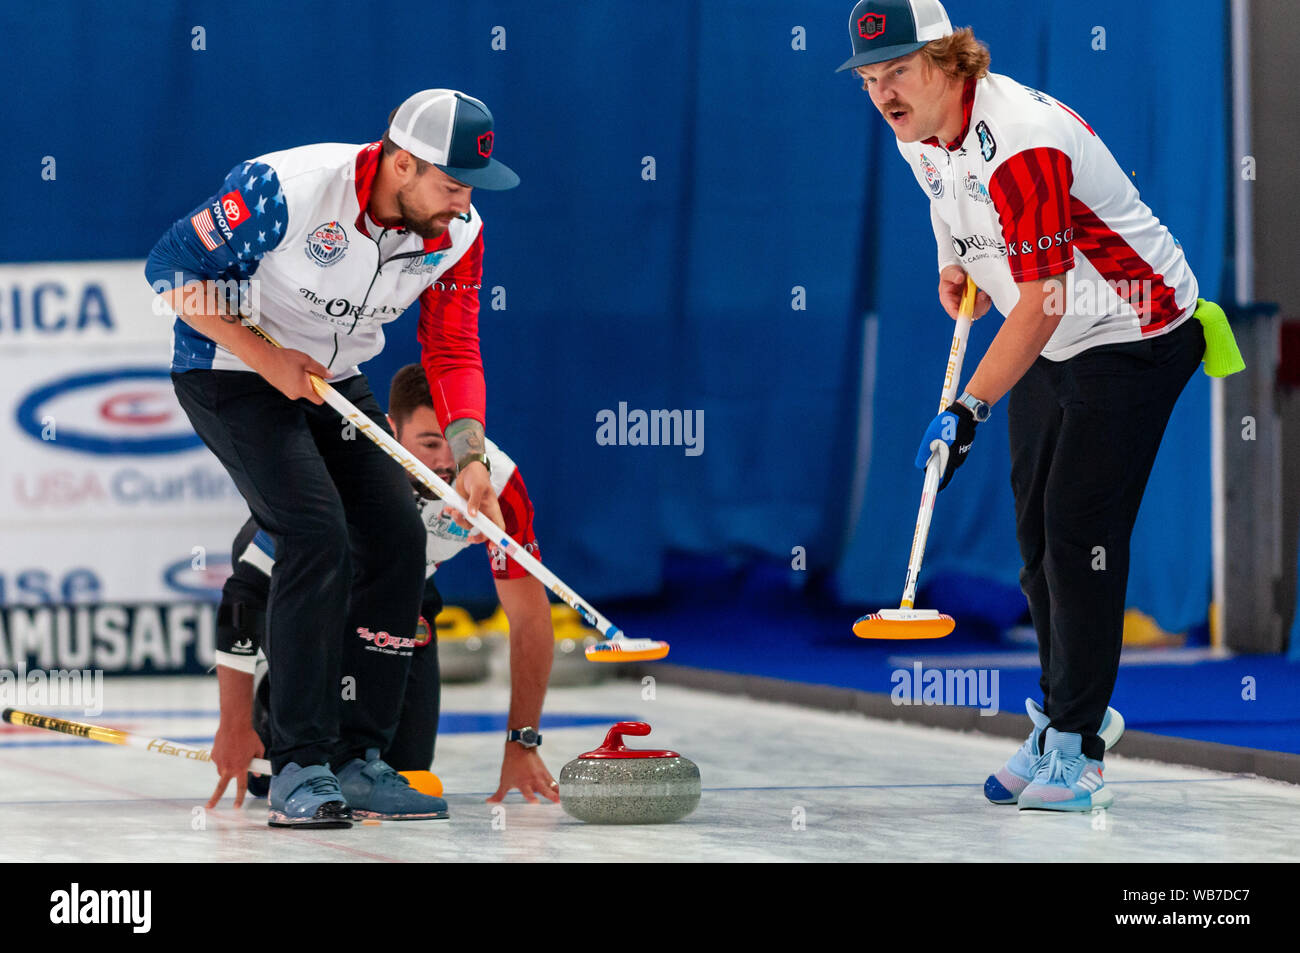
(529,736)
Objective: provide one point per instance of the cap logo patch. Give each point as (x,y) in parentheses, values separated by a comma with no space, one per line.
(485,145)
(871,25)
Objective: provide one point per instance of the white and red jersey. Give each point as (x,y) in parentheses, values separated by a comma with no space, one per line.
(445,539)
(1028,191)
(324,276)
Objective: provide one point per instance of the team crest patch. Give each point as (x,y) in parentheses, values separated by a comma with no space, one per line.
(327,244)
(933,178)
(871,26)
(988,145)
(485,144)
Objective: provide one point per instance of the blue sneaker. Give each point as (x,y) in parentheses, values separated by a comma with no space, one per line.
(1065,779)
(376,790)
(307,797)
(1005,784)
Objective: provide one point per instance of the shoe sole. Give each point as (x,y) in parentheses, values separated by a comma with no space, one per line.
(1097,801)
(377,816)
(280,819)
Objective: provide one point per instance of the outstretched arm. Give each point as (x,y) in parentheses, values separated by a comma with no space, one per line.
(532,646)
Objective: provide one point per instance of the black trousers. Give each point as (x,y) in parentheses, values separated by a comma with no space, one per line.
(1084,436)
(349,570)
(243,601)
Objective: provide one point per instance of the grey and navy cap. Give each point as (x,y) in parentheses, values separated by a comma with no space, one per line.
(884,30)
(454,132)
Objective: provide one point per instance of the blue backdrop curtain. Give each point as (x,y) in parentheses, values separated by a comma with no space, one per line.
(773,184)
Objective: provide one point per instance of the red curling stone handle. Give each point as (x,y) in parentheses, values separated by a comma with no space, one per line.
(613,746)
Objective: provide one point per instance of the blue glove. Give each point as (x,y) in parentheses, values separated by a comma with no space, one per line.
(955,427)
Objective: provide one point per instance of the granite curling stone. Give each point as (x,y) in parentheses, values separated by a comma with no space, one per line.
(619,785)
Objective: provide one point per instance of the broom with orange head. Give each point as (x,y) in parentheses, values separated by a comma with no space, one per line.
(907,621)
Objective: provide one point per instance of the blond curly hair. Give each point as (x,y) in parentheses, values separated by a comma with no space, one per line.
(958,56)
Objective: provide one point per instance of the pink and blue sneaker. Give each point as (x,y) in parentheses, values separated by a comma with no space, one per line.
(1005,784)
(1066,779)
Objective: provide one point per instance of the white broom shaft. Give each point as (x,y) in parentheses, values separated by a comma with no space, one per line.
(484,525)
(163,746)
(933,471)
(116,736)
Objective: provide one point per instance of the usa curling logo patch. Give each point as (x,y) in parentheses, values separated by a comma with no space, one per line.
(327,244)
(933,178)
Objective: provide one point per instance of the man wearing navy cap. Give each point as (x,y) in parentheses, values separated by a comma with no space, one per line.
(1097,344)
(321,246)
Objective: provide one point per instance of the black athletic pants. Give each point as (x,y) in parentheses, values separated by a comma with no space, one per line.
(241,617)
(349,568)
(1084,436)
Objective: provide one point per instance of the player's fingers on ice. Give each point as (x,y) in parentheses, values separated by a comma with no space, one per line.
(527,791)
(241,786)
(221,789)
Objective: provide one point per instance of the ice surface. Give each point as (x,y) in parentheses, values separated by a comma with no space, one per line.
(780,784)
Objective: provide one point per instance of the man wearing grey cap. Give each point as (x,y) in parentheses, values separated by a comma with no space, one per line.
(1097,343)
(325,244)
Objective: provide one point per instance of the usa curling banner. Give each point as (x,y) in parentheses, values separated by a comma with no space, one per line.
(106,493)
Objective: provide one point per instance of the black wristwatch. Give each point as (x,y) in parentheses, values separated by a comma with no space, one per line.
(528,737)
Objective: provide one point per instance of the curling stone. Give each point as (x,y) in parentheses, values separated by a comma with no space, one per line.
(619,785)
(463,654)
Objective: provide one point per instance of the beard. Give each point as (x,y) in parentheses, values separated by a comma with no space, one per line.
(432,226)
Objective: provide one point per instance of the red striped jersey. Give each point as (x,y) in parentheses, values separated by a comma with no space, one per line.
(1028,191)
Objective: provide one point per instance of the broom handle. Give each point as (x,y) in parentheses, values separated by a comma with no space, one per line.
(934,469)
(491,530)
(114,736)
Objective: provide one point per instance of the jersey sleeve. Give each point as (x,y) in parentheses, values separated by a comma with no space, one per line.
(227,235)
(942,239)
(448,336)
(517,509)
(1031,193)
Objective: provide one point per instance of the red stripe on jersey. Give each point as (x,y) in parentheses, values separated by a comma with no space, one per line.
(1124,269)
(517,509)
(1031,192)
(1076,116)
(448,334)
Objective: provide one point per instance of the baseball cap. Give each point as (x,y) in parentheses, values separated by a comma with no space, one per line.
(454,132)
(884,30)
